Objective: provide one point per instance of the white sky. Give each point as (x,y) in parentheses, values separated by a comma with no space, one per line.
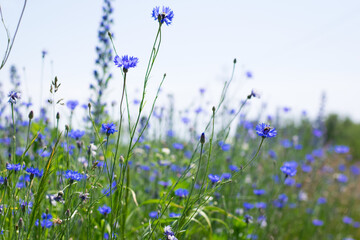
(295,49)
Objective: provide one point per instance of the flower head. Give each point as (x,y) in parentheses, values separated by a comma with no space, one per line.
(108,128)
(15,167)
(74,175)
(289,168)
(76,134)
(166,16)
(14,96)
(126,62)
(265,131)
(71,104)
(214,178)
(104,210)
(181,192)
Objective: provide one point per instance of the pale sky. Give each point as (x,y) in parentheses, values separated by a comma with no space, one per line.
(295,49)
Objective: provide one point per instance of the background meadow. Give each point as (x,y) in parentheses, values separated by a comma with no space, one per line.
(132,121)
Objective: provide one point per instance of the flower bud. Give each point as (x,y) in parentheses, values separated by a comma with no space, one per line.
(31,115)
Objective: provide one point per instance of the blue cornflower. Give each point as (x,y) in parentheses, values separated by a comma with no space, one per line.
(126,62)
(281,201)
(169,233)
(13,97)
(3,180)
(355,170)
(259,192)
(214,178)
(46,222)
(248,206)
(107,190)
(272,154)
(265,131)
(76,134)
(15,167)
(233,168)
(317,222)
(153,214)
(166,16)
(74,175)
(174,215)
(71,104)
(260,205)
(104,210)
(178,146)
(342,178)
(226,176)
(289,168)
(347,220)
(181,192)
(340,149)
(306,168)
(321,200)
(108,128)
(34,171)
(248,218)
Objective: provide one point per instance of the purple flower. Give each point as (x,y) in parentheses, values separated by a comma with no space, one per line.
(178,146)
(317,222)
(104,210)
(126,62)
(226,176)
(289,168)
(321,200)
(166,16)
(15,167)
(340,149)
(214,178)
(153,214)
(233,168)
(108,128)
(181,192)
(71,104)
(342,178)
(13,97)
(248,206)
(306,168)
(74,175)
(76,134)
(347,220)
(265,131)
(260,205)
(259,192)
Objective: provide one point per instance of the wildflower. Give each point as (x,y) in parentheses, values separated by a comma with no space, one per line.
(306,168)
(104,210)
(182,193)
(74,175)
(108,128)
(233,168)
(226,176)
(321,200)
(14,96)
(340,149)
(84,196)
(265,131)
(342,178)
(169,233)
(166,15)
(317,222)
(174,215)
(248,218)
(55,198)
(178,146)
(71,104)
(35,172)
(46,222)
(259,192)
(153,214)
(15,167)
(347,220)
(289,168)
(214,178)
(260,205)
(126,62)
(76,134)
(248,206)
